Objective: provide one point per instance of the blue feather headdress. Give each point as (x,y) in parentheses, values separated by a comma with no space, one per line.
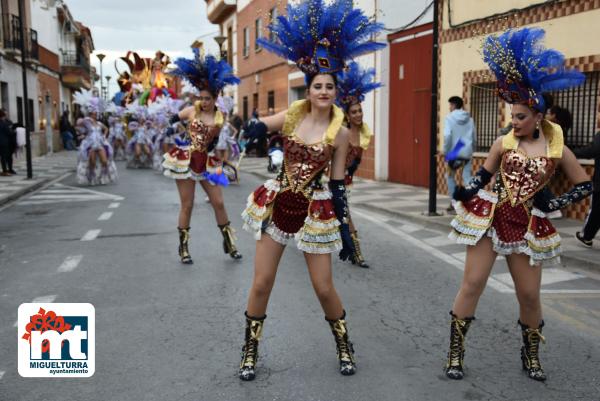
(354,83)
(205,72)
(321,36)
(525,69)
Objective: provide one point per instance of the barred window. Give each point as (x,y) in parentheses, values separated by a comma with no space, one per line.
(582,102)
(484,110)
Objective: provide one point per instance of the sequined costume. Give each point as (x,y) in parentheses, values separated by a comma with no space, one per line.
(141,136)
(297,204)
(355,152)
(189,158)
(94,141)
(506,214)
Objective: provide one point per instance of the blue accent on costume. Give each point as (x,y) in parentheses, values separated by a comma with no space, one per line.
(525,69)
(205,73)
(320,36)
(354,83)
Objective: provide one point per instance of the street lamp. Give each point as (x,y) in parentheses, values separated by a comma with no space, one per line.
(101,57)
(220,39)
(108,77)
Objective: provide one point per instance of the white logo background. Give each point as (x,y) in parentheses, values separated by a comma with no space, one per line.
(55,366)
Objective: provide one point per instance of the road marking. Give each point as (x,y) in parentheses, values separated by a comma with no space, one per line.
(549,276)
(91,235)
(105,216)
(70,263)
(492,283)
(40,300)
(2,374)
(114,205)
(57,193)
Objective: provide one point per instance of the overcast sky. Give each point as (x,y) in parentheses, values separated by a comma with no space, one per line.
(144,26)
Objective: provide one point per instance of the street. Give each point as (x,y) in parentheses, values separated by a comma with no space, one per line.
(167,331)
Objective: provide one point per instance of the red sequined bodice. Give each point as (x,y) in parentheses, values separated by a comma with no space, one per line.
(354,152)
(303,162)
(202,135)
(523,176)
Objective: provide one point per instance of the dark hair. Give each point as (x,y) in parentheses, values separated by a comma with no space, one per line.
(236,121)
(2,113)
(310,78)
(456,101)
(563,118)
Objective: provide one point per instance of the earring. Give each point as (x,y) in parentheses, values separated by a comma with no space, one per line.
(536,133)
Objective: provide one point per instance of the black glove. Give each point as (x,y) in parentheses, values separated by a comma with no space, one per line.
(170,131)
(340,205)
(479,180)
(175,118)
(353,167)
(547,202)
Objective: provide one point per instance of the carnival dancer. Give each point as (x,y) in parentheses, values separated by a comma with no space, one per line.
(164,140)
(511,219)
(353,84)
(189,162)
(319,37)
(140,147)
(95,145)
(116,131)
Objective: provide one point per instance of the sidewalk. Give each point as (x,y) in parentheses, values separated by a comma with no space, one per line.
(45,169)
(411,203)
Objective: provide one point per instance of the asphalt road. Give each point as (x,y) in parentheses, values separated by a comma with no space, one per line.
(165,331)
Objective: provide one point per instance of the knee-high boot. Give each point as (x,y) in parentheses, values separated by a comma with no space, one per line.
(229,241)
(456,353)
(530,351)
(253,333)
(357,258)
(345,349)
(184,238)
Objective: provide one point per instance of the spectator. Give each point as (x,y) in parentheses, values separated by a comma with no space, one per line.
(561,116)
(592,222)
(8,143)
(67,131)
(459,134)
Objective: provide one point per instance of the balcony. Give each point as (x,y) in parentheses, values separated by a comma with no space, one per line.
(11,38)
(75,70)
(219,10)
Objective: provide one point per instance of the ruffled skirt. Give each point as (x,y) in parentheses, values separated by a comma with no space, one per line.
(284,215)
(513,229)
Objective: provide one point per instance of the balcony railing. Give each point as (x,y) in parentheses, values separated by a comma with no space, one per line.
(75,59)
(11,36)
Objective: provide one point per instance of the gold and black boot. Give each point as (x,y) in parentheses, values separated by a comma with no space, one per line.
(229,241)
(184,253)
(254,328)
(530,351)
(345,350)
(456,354)
(357,258)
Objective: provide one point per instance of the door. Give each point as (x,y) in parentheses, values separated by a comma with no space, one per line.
(410,110)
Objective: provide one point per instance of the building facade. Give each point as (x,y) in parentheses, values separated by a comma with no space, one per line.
(223,13)
(264,76)
(11,78)
(569,25)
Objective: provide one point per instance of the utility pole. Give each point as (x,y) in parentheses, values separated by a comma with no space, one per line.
(25,96)
(434,116)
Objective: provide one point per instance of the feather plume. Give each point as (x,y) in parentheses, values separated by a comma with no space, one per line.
(354,83)
(205,72)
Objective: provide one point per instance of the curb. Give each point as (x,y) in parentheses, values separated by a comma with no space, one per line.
(437,223)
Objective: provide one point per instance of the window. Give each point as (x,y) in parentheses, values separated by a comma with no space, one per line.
(245,108)
(484,109)
(258,27)
(4,93)
(582,102)
(20,118)
(255,103)
(271,100)
(246,42)
(274,13)
(30,113)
